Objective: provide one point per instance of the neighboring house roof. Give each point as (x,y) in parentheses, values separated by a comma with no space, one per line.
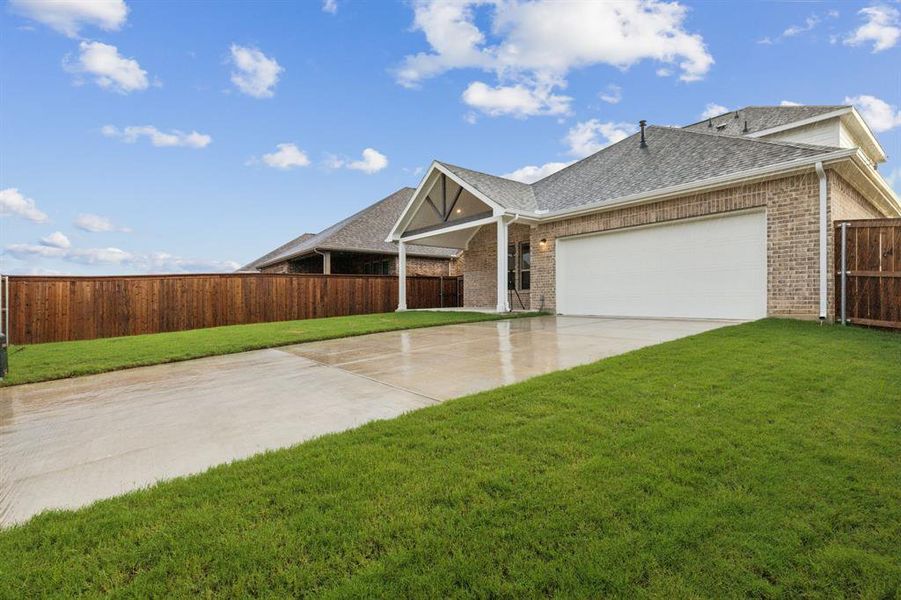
(362,232)
(760,118)
(674,156)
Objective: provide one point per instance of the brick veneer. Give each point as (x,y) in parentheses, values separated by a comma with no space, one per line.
(792,207)
(480,267)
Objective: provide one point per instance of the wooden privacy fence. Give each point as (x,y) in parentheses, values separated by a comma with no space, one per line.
(53,309)
(868,272)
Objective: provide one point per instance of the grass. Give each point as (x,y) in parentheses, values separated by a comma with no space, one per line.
(43,362)
(761,460)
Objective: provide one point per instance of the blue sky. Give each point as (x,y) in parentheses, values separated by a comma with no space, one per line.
(165,137)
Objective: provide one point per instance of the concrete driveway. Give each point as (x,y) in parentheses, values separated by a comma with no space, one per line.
(67,443)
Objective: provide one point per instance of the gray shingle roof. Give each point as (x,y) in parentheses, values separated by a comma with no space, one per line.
(364,231)
(674,156)
(759,118)
(506,192)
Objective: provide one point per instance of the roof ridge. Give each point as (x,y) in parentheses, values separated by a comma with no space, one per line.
(447,164)
(738,110)
(758,140)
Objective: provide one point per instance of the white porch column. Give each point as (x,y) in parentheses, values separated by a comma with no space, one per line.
(401,276)
(502,297)
(326,263)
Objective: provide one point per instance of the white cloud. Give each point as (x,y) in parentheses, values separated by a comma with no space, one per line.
(712,110)
(789,103)
(372,161)
(57,239)
(154,262)
(12,202)
(31,250)
(809,23)
(330,6)
(879,114)
(588,137)
(256,74)
(97,224)
(69,16)
(531,173)
(110,70)
(882,28)
(286,156)
(612,95)
(516,100)
(132,133)
(538,44)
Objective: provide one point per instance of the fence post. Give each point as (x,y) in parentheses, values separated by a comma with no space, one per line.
(844,292)
(441,291)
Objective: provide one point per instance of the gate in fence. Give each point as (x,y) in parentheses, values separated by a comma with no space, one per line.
(868,272)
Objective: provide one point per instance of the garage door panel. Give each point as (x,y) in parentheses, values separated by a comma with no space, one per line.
(711,268)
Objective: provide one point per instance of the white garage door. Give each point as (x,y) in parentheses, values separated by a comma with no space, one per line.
(712,268)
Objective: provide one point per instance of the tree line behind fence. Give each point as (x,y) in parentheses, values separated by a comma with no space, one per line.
(53,309)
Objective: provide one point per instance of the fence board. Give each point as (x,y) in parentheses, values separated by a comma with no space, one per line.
(52,309)
(873,272)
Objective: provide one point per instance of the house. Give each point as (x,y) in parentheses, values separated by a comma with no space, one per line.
(357,246)
(729,218)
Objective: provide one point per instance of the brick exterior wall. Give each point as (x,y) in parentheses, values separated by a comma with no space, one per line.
(792,206)
(480,267)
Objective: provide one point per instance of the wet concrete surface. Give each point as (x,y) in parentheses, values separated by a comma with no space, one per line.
(67,443)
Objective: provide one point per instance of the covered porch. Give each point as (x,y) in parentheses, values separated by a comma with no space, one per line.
(449,212)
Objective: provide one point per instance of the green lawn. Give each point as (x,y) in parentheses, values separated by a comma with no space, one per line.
(42,362)
(762,460)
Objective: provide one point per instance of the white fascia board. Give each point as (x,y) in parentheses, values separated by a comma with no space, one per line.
(703,185)
(862,125)
(450,229)
(862,162)
(406,213)
(419,197)
(801,123)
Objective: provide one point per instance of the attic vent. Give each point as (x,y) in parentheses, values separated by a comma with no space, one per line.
(643,143)
(709,122)
(720,127)
(745,130)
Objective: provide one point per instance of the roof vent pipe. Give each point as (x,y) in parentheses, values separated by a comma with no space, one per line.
(709,122)
(745,130)
(643,143)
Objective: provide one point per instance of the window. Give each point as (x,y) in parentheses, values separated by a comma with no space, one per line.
(511,267)
(525,266)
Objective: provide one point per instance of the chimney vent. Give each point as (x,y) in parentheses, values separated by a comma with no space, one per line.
(643,143)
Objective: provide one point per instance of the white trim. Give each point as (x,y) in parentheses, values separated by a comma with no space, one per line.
(449,229)
(801,123)
(875,177)
(418,198)
(503,304)
(401,277)
(703,185)
(850,110)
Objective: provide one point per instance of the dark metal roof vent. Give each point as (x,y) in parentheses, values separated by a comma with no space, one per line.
(643,143)
(736,114)
(745,130)
(709,122)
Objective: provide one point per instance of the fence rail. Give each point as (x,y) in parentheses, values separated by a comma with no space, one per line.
(868,272)
(52,309)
